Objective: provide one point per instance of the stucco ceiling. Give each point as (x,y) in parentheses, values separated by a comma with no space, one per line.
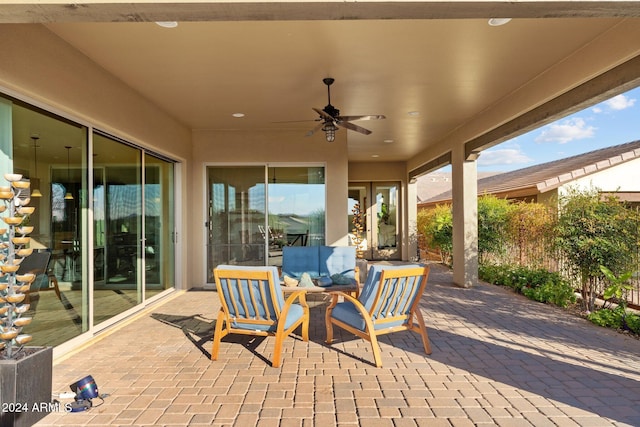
(452,71)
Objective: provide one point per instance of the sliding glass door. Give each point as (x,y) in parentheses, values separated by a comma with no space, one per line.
(104,218)
(253,211)
(133,226)
(117,195)
(159,225)
(236,223)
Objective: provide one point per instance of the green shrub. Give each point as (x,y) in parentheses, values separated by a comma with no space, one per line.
(437,227)
(607,317)
(537,284)
(633,323)
(593,230)
(616,318)
(558,293)
(493,218)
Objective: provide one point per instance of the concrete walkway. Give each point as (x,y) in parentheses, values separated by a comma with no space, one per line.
(498,359)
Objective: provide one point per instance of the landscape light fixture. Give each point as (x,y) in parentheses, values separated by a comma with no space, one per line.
(85,390)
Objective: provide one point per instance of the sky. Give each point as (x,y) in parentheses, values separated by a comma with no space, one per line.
(612,122)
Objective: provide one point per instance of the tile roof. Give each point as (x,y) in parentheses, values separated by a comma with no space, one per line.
(547,176)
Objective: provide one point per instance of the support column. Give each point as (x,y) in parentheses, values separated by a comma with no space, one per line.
(410,229)
(465,218)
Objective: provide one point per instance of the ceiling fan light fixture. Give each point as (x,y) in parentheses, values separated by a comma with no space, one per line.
(330,131)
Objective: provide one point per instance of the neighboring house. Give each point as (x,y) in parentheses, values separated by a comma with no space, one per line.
(612,169)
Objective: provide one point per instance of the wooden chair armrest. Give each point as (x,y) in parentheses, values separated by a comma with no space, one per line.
(347,297)
(299,295)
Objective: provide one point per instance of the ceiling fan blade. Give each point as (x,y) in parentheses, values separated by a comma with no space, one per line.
(315,129)
(323,114)
(367,117)
(351,126)
(297,121)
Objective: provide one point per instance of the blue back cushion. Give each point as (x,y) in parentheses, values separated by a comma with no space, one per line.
(274,273)
(338,260)
(300,259)
(370,287)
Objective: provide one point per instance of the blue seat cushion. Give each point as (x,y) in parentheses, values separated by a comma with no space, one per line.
(295,313)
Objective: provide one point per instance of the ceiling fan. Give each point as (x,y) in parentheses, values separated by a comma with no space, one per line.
(330,118)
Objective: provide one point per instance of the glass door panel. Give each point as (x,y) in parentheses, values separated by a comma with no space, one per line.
(386,221)
(296,208)
(159,248)
(236,223)
(359,230)
(117,227)
(239,197)
(378,205)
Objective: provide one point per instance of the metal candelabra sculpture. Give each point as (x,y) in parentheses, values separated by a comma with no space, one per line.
(14,248)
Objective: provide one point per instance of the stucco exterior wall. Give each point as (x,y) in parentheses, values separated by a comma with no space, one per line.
(621,177)
(39,66)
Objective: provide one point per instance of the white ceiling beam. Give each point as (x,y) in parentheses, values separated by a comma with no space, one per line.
(43,11)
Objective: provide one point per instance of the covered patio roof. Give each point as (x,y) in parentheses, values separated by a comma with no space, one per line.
(463,80)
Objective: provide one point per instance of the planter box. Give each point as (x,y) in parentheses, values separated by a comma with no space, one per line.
(25,387)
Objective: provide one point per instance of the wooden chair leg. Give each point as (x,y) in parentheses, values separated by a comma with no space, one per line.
(329,325)
(217,336)
(423,333)
(305,325)
(277,350)
(377,356)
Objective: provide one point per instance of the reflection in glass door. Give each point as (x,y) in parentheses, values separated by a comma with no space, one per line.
(117,227)
(256,210)
(159,241)
(378,204)
(359,230)
(236,219)
(385,224)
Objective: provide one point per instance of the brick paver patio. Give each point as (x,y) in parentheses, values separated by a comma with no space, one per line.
(498,359)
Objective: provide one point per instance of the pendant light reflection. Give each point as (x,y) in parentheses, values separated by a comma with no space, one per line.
(68,196)
(35,192)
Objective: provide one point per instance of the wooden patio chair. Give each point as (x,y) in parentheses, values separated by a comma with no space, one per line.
(252,303)
(387,303)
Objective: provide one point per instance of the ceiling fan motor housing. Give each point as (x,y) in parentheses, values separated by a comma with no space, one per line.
(331,110)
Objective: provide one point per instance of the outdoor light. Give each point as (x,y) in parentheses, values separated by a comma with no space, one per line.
(330,131)
(496,22)
(68,196)
(35,192)
(85,390)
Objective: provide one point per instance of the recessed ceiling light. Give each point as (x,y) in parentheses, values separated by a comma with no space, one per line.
(388,141)
(167,24)
(238,115)
(375,155)
(414,113)
(496,22)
